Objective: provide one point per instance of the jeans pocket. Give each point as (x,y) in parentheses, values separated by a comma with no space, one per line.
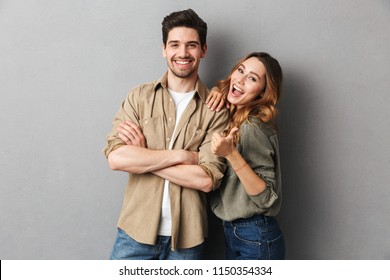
(249,234)
(257,242)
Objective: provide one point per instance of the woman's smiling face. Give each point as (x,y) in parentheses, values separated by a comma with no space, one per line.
(247,82)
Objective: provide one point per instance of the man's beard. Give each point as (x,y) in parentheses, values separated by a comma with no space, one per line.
(182,74)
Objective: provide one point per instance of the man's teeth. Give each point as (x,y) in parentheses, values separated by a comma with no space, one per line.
(182,62)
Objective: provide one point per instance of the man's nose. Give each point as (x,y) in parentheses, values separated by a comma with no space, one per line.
(183,51)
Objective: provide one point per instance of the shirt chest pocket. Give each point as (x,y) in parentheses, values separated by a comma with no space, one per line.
(192,138)
(153,130)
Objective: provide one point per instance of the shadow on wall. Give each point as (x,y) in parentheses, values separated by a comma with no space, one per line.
(298,130)
(215,243)
(220,58)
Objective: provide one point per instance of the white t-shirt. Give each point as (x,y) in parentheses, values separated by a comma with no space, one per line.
(181,100)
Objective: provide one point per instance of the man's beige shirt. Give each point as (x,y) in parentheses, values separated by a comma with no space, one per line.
(151,107)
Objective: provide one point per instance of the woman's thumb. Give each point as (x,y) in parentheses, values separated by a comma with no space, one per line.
(232,132)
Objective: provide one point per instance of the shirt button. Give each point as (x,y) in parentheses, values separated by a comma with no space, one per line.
(168,139)
(170,119)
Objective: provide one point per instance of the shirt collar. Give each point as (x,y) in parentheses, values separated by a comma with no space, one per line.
(200,89)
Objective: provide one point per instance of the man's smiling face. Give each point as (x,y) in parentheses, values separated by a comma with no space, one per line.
(183,52)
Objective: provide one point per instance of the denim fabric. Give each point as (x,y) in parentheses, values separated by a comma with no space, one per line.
(126,248)
(255,238)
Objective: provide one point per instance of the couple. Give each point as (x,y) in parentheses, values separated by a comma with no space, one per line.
(177,142)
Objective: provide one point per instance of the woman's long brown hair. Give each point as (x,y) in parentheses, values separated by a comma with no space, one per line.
(263,107)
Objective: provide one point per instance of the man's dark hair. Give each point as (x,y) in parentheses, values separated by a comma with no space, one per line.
(186,18)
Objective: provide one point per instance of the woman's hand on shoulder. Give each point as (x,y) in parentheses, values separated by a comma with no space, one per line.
(216,100)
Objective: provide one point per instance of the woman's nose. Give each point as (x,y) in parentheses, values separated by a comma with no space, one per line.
(241,79)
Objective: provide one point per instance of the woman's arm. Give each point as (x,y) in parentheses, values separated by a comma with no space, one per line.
(252,183)
(223,146)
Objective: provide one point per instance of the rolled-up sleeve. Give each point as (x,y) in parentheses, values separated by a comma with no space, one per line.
(213,165)
(260,156)
(127,111)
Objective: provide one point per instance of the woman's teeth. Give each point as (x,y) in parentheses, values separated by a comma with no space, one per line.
(237,90)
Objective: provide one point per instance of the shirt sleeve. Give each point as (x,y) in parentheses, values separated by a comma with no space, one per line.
(127,111)
(259,150)
(213,165)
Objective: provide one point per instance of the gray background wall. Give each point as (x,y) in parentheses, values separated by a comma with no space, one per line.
(65,66)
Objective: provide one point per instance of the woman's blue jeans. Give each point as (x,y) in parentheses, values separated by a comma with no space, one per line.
(126,248)
(255,238)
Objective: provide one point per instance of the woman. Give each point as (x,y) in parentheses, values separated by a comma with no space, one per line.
(250,194)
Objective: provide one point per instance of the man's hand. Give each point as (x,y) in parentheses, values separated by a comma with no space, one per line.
(190,158)
(131,134)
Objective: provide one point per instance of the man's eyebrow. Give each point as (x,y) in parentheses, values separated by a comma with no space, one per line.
(178,41)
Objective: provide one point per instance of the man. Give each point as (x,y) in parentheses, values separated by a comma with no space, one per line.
(161,137)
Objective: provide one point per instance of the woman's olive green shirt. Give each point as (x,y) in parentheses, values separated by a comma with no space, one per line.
(259,146)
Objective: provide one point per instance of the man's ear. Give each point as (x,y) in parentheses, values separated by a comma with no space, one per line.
(204,51)
(163,50)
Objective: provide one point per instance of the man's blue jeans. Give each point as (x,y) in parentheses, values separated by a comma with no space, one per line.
(126,248)
(256,238)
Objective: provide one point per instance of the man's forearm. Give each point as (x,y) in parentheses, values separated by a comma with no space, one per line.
(188,176)
(138,160)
